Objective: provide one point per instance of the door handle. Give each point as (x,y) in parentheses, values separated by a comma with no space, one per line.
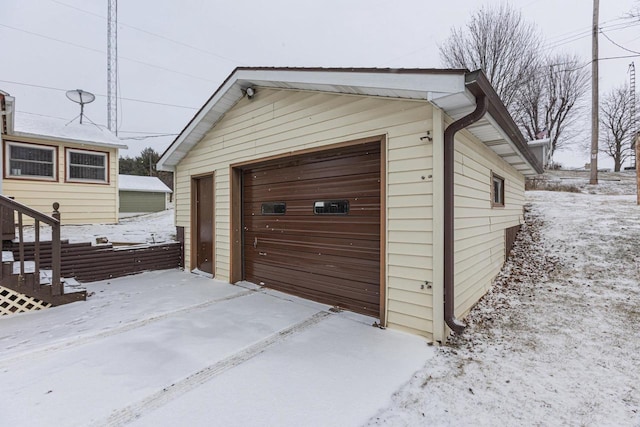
(255,242)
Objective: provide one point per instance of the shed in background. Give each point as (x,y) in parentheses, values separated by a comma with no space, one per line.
(143,194)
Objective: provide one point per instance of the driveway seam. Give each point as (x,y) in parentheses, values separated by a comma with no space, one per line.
(119,330)
(162,397)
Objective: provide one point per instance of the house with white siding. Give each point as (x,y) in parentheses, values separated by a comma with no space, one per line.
(390,192)
(47,160)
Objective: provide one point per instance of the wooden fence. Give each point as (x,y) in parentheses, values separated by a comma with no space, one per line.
(88,263)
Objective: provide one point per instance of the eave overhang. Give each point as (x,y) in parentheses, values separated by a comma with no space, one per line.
(451,90)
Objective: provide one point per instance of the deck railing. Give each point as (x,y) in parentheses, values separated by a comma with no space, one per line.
(54,222)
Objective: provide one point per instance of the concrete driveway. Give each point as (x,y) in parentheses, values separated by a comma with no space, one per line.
(172,348)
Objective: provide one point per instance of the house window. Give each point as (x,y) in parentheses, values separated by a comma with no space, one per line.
(30,161)
(86,166)
(497,190)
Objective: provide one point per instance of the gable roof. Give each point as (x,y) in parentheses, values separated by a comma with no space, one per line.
(452,90)
(150,184)
(50,128)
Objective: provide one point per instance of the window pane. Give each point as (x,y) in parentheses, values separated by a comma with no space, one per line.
(86,159)
(31,161)
(498,191)
(28,153)
(87,166)
(80,172)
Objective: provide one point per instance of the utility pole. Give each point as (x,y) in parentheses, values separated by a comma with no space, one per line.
(112,66)
(594,94)
(632,109)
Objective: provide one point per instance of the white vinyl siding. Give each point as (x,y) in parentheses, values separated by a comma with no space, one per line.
(479,227)
(284,121)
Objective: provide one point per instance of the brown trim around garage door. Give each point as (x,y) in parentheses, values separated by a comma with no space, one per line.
(236,175)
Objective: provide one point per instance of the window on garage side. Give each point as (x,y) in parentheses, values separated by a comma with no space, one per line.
(86,166)
(30,161)
(497,190)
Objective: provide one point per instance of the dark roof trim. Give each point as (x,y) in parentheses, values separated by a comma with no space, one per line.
(3,123)
(478,84)
(360,70)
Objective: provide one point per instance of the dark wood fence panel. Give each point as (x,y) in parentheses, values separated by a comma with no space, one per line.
(87,263)
(509,238)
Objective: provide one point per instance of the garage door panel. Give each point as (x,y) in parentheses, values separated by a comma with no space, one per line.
(358,207)
(278,278)
(348,301)
(293,171)
(339,156)
(328,265)
(329,254)
(358,292)
(362,226)
(363,186)
(339,246)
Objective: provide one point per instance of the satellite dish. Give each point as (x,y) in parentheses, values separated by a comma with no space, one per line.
(81,97)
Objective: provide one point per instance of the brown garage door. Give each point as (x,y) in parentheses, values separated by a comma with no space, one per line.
(312,226)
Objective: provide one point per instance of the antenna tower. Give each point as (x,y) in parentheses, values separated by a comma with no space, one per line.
(632,109)
(112,66)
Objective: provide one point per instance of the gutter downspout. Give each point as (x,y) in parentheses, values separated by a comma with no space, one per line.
(482,104)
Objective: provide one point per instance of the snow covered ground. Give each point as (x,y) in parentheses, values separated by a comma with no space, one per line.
(145,228)
(172,348)
(555,342)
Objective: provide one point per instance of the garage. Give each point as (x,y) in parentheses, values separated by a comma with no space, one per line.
(142,194)
(366,189)
(312,226)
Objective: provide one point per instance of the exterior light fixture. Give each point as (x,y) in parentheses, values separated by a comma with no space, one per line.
(250,92)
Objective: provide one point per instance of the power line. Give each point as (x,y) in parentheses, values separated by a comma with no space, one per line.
(66,119)
(149,133)
(101,95)
(51,38)
(587,33)
(620,46)
(42,115)
(584,29)
(103,52)
(160,36)
(141,138)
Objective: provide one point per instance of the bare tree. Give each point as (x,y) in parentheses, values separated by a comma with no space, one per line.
(550,101)
(500,42)
(615,126)
(635,11)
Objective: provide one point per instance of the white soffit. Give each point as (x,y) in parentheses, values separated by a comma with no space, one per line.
(486,130)
(444,89)
(425,85)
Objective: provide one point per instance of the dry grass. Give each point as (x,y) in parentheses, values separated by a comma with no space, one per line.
(538,184)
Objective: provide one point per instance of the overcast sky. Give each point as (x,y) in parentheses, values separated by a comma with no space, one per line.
(178,52)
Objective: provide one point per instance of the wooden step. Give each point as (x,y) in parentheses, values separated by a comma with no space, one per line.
(29,267)
(42,290)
